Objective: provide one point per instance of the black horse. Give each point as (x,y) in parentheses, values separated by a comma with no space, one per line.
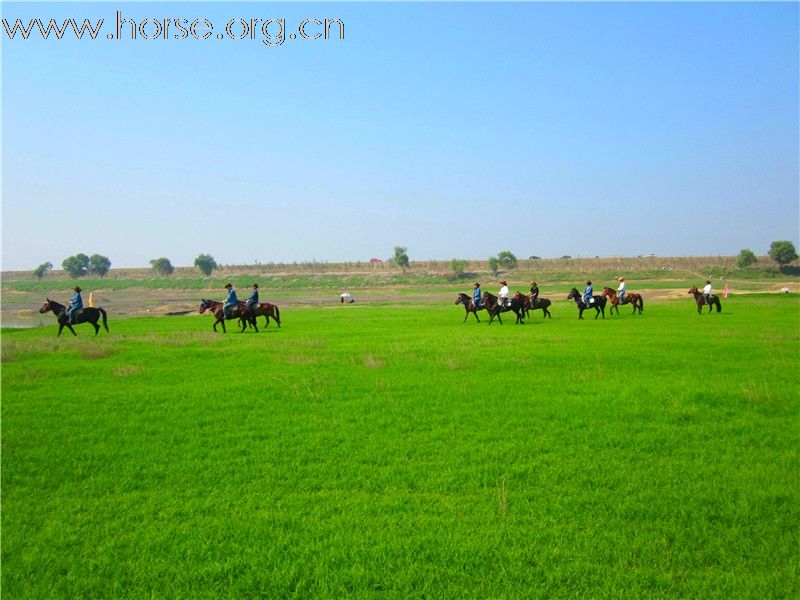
(599,303)
(84,315)
(515,304)
(469,306)
(700,300)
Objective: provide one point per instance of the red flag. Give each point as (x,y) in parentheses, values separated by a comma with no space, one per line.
(725,291)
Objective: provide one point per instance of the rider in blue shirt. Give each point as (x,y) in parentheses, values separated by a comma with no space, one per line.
(588,293)
(231,302)
(476,295)
(74,305)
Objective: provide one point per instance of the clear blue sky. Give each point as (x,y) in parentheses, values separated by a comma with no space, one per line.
(457,130)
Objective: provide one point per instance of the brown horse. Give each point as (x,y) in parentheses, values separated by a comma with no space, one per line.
(268,310)
(84,315)
(515,305)
(241,312)
(536,304)
(700,300)
(469,306)
(633,299)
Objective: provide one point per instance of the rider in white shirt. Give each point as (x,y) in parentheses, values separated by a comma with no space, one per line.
(621,289)
(707,291)
(502,296)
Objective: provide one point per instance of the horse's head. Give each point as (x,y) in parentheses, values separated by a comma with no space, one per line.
(608,292)
(205,305)
(574,294)
(46,306)
(462,298)
(692,290)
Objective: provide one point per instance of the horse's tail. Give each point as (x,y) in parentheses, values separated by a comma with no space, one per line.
(641,304)
(105,317)
(277,314)
(719,305)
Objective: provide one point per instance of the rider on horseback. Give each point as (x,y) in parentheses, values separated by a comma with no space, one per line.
(476,295)
(74,305)
(588,294)
(534,292)
(621,290)
(231,302)
(252,301)
(707,291)
(502,296)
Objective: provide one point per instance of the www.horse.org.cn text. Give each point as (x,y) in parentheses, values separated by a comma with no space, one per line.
(271,32)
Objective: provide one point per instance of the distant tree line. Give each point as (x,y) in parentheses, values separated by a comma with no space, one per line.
(783,252)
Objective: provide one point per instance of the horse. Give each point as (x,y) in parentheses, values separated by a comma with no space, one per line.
(700,300)
(536,304)
(242,313)
(469,306)
(494,308)
(599,304)
(268,310)
(84,315)
(634,299)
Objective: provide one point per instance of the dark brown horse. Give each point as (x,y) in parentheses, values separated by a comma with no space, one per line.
(84,315)
(536,304)
(633,299)
(599,303)
(241,312)
(469,306)
(515,305)
(700,300)
(269,311)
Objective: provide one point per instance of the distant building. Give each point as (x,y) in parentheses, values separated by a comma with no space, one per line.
(375,261)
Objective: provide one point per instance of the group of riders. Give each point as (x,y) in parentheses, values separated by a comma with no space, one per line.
(504,300)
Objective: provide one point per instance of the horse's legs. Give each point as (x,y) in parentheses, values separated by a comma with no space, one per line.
(71,329)
(60,329)
(475,312)
(96,327)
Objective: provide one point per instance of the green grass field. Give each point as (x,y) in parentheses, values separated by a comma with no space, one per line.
(368,451)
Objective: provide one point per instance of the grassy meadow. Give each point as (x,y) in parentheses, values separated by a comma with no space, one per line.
(392,451)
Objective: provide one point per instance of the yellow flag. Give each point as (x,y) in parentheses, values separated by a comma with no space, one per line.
(91,299)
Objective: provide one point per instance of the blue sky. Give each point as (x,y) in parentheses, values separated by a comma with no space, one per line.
(455,129)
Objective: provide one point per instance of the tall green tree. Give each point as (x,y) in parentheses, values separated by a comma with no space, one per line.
(746,258)
(99,264)
(162,266)
(401,257)
(507,259)
(782,252)
(206,263)
(42,270)
(76,266)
